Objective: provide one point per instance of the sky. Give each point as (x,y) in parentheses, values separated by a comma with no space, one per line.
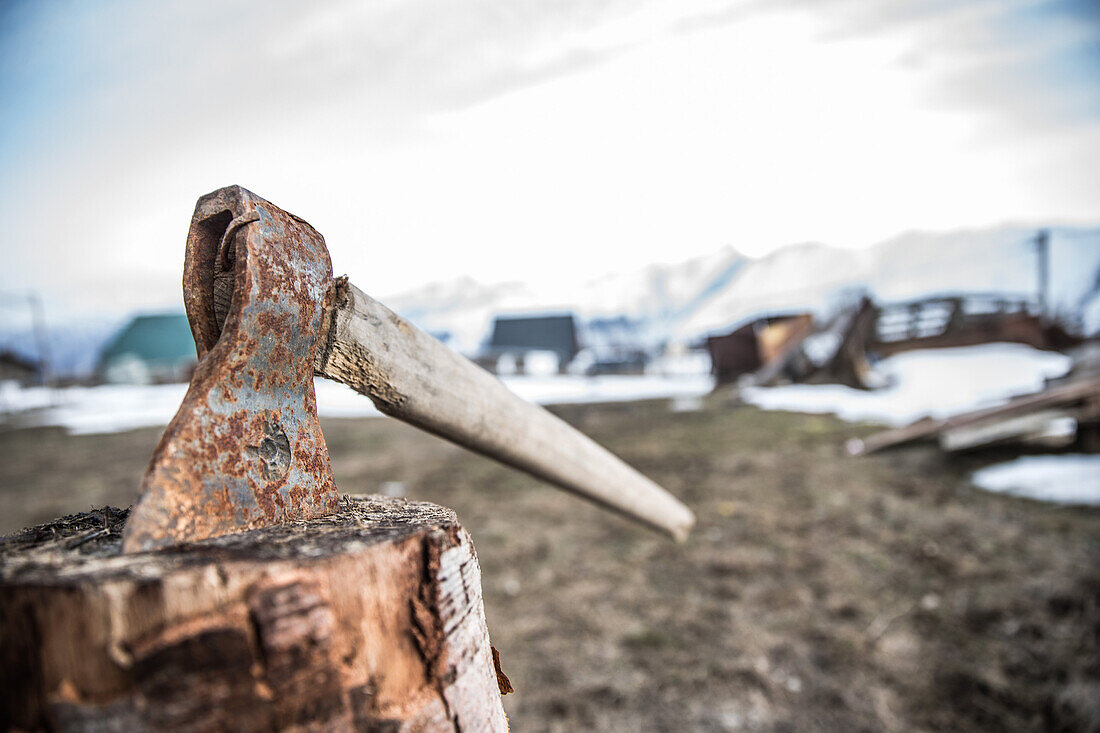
(530,140)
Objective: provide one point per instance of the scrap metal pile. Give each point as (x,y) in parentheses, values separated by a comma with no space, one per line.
(788,348)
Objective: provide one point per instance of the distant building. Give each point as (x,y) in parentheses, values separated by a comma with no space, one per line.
(15,368)
(613,346)
(514,338)
(150,349)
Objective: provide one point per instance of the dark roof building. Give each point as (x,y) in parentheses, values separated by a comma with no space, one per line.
(517,335)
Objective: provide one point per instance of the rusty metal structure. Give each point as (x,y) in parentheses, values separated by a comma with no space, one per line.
(755,344)
(963,320)
(843,349)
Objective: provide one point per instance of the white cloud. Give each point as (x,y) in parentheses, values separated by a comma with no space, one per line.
(521,140)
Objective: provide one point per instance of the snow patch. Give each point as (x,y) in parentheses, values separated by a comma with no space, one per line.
(1063,479)
(934,383)
(116,408)
(108,408)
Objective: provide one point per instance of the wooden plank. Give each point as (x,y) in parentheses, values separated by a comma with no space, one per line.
(1038,426)
(1061,395)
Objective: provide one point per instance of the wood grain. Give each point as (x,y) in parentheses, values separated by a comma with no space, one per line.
(371,619)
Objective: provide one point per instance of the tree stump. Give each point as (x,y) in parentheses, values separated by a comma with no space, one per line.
(369,620)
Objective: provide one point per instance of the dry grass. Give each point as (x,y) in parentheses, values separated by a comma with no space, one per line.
(817,593)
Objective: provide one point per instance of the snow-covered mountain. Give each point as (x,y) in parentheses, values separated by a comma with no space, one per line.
(659,296)
(994,260)
(685,301)
(459,312)
(705,295)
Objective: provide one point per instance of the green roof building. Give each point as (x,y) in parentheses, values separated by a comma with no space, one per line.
(149,349)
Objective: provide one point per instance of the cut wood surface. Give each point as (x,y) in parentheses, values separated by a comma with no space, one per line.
(371,619)
(411,376)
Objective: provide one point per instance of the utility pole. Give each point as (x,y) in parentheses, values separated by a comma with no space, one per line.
(38,332)
(1042,249)
(41,340)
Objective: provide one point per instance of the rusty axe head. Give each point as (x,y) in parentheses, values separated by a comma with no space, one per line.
(245,449)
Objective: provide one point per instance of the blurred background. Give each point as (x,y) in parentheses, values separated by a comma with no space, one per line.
(829,271)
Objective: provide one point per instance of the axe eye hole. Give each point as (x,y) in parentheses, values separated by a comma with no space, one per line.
(217,285)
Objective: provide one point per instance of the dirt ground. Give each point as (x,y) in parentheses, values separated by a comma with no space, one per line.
(817,593)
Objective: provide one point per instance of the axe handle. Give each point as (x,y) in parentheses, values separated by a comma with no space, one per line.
(413,377)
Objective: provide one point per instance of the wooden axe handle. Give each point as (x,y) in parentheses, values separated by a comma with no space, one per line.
(413,377)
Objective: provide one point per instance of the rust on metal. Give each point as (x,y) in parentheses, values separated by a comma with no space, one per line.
(245,449)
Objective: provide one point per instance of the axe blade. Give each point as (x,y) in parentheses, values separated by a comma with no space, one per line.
(245,448)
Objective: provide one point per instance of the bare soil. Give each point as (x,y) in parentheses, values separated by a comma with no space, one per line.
(818,592)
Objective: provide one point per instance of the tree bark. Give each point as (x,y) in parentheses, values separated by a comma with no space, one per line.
(370,620)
